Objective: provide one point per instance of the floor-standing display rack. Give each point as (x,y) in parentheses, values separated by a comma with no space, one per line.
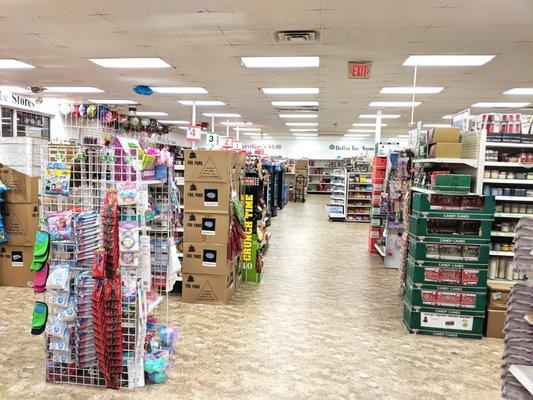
(337,203)
(358,193)
(378,211)
(320,174)
(109,224)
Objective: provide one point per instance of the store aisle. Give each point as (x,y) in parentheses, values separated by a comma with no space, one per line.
(325,323)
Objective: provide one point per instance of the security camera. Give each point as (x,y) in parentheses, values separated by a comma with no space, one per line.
(37,89)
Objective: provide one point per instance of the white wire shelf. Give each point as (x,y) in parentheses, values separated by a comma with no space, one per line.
(467,161)
(502,234)
(430,191)
(512,145)
(510,181)
(502,253)
(508,164)
(515,198)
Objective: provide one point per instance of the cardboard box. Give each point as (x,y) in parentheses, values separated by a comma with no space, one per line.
(206,228)
(495,323)
(210,166)
(15,262)
(448,135)
(498,298)
(24,188)
(445,150)
(207,197)
(211,259)
(21,221)
(208,289)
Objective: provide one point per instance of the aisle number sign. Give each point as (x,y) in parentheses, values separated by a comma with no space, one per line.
(227,142)
(359,70)
(237,145)
(194,132)
(211,141)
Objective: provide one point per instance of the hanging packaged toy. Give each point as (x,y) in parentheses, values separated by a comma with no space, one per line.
(60,226)
(57,179)
(128,195)
(128,232)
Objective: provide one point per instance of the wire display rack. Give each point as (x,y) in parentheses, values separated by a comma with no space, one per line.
(95,169)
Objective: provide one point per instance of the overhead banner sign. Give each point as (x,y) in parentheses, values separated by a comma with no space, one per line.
(16,100)
(194,132)
(359,70)
(461,120)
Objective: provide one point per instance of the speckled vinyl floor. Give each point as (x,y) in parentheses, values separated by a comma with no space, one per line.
(325,323)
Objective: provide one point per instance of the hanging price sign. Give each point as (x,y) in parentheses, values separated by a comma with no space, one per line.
(194,132)
(227,142)
(211,141)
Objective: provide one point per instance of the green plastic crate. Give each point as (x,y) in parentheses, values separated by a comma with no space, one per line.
(452,183)
(448,275)
(446,296)
(422,208)
(419,251)
(442,322)
(418,227)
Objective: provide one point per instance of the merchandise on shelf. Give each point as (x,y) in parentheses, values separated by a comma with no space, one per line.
(337,203)
(320,173)
(358,191)
(378,213)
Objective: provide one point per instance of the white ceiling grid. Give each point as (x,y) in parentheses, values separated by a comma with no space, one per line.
(204,39)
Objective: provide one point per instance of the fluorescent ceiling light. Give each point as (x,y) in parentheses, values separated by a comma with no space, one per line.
(411,90)
(249,133)
(9,63)
(178,90)
(304,130)
(248,129)
(447,60)
(301,123)
(403,136)
(294,103)
(183,127)
(298,115)
(499,105)
(361,130)
(173,121)
(151,114)
(355,136)
(222,115)
(449,116)
(202,102)
(305,134)
(367,124)
(395,103)
(236,123)
(383,116)
(105,101)
(16,89)
(130,62)
(520,91)
(436,125)
(303,137)
(72,89)
(290,90)
(280,62)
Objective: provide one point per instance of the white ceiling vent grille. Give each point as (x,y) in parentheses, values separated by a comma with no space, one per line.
(296,37)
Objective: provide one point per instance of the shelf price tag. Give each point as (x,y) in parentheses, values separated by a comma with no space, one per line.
(227,142)
(211,141)
(194,132)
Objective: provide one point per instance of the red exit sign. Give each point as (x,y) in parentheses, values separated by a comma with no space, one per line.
(359,70)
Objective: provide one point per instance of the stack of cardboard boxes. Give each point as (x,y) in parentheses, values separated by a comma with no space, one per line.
(499,293)
(21,220)
(444,143)
(210,177)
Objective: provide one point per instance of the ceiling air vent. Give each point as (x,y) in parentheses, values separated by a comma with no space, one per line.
(296,37)
(296,108)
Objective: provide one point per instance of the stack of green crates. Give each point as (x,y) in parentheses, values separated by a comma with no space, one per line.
(446,284)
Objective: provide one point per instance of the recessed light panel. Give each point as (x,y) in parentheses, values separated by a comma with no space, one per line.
(520,91)
(436,125)
(447,60)
(130,62)
(361,130)
(303,130)
(8,63)
(280,62)
(411,90)
(151,114)
(72,89)
(383,116)
(105,101)
(248,129)
(355,136)
(499,105)
(173,121)
(294,103)
(305,134)
(178,90)
(298,116)
(202,102)
(301,123)
(290,90)
(222,115)
(367,124)
(395,103)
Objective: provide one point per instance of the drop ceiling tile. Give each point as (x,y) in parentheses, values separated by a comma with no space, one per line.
(373,17)
(273,19)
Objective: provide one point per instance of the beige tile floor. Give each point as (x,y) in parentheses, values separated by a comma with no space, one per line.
(325,323)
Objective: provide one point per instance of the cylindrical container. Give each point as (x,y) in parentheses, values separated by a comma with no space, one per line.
(522,208)
(506,191)
(502,175)
(502,269)
(494,174)
(496,247)
(504,247)
(515,208)
(499,208)
(509,271)
(510,175)
(505,227)
(507,208)
(516,275)
(486,174)
(493,268)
